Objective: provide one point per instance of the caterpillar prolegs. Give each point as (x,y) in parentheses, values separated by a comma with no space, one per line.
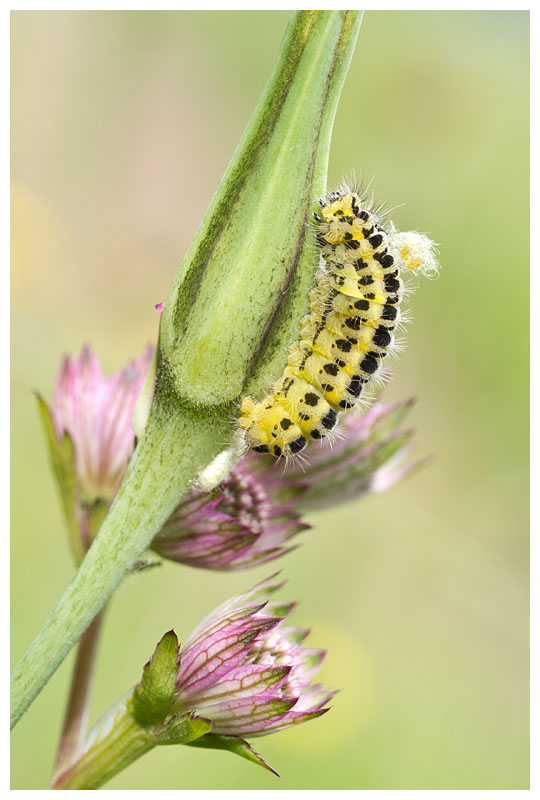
(349,330)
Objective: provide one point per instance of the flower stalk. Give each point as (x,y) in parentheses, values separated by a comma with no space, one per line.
(76,717)
(233,309)
(126,742)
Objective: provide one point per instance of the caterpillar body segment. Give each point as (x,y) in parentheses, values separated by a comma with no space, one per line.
(349,330)
(258,419)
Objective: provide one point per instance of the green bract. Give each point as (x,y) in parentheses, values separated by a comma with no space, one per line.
(237,299)
(153,696)
(62,458)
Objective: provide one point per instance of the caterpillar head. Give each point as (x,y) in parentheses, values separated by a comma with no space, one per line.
(342,218)
(337,205)
(270,429)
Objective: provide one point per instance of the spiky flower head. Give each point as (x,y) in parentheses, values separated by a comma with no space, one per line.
(366,459)
(248,672)
(254,512)
(243,673)
(248,520)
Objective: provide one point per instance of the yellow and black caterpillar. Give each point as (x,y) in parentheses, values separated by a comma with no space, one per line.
(354,311)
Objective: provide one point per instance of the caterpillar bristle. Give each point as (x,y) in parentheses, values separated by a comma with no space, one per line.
(350,329)
(398,347)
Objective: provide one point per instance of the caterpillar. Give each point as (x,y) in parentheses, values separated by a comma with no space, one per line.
(354,310)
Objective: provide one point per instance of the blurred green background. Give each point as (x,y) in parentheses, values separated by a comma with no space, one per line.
(122,125)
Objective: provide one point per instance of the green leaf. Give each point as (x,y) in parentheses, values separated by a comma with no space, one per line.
(234,745)
(62,458)
(152,697)
(183,730)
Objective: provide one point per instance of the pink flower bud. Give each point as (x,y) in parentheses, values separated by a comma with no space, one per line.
(96,413)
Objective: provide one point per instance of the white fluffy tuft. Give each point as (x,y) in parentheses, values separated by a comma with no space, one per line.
(415,252)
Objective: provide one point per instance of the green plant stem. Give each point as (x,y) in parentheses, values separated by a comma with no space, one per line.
(177,444)
(126,742)
(232,312)
(76,717)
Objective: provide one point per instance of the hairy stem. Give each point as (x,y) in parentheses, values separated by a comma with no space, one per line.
(177,444)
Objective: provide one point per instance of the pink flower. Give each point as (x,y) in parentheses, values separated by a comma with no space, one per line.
(242,673)
(96,413)
(90,439)
(250,520)
(247,672)
(253,516)
(366,459)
